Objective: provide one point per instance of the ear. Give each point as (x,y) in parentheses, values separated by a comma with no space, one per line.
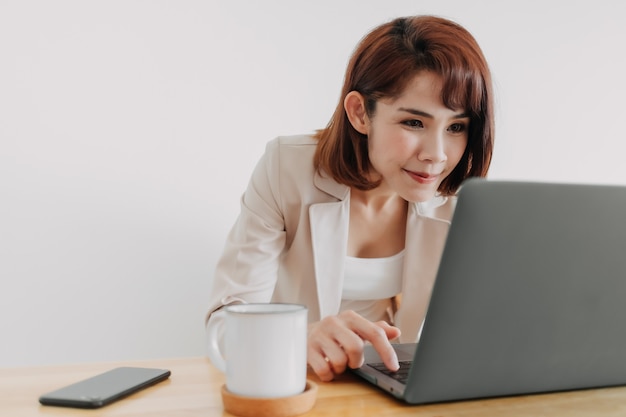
(354,105)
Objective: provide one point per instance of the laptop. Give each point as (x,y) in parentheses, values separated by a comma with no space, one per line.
(530,297)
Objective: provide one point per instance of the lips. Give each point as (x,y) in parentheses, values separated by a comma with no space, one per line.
(422,177)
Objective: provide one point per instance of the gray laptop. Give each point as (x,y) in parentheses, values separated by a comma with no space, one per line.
(530,297)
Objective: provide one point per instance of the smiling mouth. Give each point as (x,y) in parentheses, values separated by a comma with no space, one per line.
(422,177)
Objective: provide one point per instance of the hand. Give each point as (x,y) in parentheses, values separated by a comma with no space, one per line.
(336,342)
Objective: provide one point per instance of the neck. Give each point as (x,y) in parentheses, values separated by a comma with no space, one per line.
(381,193)
(377,223)
(376,199)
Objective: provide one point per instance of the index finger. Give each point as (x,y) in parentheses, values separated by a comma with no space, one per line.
(377,336)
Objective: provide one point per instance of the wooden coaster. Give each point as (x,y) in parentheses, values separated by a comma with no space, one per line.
(270,407)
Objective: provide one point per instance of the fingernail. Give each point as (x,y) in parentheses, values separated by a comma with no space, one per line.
(396,364)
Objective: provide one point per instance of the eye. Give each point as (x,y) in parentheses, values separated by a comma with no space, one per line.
(414,123)
(457,127)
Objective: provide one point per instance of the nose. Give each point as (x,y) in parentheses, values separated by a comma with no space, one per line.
(432,148)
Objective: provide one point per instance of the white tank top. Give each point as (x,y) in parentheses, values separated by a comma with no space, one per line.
(370,283)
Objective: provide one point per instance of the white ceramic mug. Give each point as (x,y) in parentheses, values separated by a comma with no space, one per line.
(265,349)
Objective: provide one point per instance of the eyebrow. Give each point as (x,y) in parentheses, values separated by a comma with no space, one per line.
(430,116)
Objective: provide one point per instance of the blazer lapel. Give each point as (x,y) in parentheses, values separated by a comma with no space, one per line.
(425,240)
(329,235)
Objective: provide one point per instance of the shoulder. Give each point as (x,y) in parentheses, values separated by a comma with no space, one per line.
(289,163)
(292,143)
(287,160)
(291,155)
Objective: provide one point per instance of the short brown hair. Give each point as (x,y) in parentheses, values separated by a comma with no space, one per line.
(382,65)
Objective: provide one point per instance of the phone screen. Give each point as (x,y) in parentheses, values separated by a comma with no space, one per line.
(105,388)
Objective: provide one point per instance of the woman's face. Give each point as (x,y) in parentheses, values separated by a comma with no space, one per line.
(415,141)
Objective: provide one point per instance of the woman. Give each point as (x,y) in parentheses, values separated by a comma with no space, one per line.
(351,221)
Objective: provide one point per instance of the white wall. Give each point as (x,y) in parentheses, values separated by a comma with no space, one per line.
(128,130)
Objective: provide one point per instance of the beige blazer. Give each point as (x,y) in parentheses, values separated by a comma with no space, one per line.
(289,242)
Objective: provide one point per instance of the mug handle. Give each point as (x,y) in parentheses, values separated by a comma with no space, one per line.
(213,351)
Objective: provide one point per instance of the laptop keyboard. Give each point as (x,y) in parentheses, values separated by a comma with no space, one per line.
(400,375)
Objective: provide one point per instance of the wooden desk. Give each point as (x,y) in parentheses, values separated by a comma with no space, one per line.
(194,390)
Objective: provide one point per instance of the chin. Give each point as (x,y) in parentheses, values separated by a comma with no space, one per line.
(419,196)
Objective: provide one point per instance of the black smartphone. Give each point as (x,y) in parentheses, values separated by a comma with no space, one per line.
(105,388)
